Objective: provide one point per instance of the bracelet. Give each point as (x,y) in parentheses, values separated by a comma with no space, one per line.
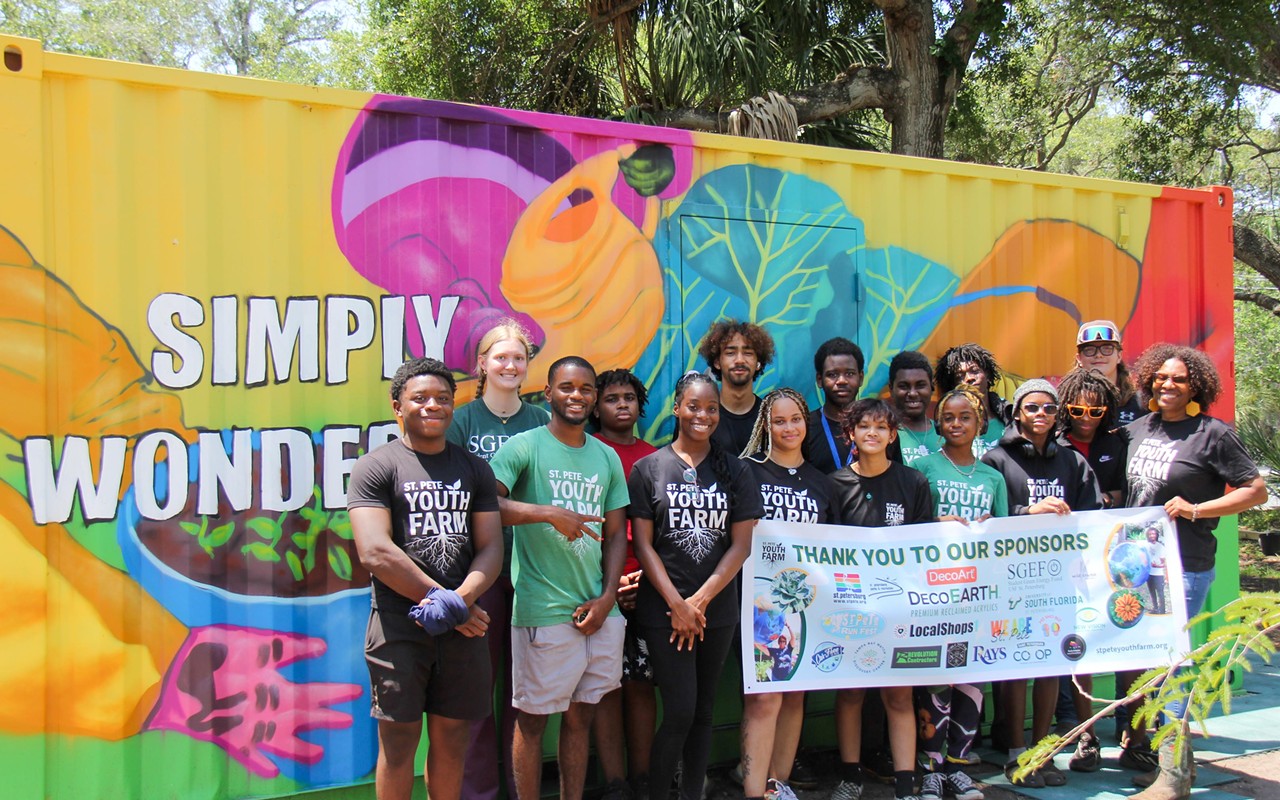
(1195,512)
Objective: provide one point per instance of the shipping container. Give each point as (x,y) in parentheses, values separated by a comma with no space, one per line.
(208,280)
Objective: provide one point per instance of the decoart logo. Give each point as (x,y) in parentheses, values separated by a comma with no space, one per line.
(949,575)
(828,656)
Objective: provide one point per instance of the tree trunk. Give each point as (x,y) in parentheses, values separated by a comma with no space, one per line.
(919,117)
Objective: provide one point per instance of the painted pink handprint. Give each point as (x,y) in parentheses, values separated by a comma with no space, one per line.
(225,687)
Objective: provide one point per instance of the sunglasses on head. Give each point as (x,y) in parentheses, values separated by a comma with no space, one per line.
(1099,333)
(1094,412)
(1050,409)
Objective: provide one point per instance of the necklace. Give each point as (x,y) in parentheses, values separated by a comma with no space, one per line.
(502,416)
(972,467)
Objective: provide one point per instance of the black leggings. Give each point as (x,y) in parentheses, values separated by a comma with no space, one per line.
(687,680)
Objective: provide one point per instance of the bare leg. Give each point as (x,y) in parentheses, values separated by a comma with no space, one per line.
(1044,697)
(786,741)
(759,722)
(526,750)
(902,726)
(642,720)
(849,724)
(575,740)
(1084,706)
(397,745)
(445,754)
(607,728)
(1015,711)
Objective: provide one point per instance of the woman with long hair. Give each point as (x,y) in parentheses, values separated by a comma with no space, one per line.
(873,492)
(796,491)
(482,427)
(692,511)
(1196,467)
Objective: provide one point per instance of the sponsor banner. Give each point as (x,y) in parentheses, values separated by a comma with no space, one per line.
(834,607)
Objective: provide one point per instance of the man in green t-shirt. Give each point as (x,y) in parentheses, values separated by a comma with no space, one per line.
(566,495)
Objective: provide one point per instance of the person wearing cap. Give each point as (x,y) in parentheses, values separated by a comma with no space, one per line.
(1098,349)
(1042,478)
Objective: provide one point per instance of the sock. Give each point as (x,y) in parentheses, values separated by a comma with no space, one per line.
(851,773)
(904,783)
(1014,752)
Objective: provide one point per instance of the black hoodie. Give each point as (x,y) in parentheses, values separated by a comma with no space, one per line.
(1032,476)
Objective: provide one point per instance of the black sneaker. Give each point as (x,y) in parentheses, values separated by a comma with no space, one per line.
(879,768)
(802,775)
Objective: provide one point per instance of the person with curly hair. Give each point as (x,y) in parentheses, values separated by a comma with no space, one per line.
(975,365)
(737,353)
(838,366)
(793,490)
(1099,349)
(1196,467)
(692,511)
(874,492)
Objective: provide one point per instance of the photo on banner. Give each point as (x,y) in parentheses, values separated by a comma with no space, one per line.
(1015,597)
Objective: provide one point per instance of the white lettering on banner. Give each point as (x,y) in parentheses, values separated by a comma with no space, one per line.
(1011,597)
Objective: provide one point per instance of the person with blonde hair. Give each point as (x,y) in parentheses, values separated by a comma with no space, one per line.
(482,427)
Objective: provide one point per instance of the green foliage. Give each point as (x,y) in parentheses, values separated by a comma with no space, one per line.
(790,591)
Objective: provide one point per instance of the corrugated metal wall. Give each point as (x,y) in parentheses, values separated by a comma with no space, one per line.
(188,255)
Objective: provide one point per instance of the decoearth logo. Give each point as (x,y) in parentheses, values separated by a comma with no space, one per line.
(949,575)
(972,594)
(916,657)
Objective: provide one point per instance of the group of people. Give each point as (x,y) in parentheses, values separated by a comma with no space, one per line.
(592,568)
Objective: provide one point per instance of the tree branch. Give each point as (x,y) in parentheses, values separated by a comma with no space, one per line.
(856,88)
(1259,252)
(1264,301)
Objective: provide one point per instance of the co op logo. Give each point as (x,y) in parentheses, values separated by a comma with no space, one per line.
(1032,655)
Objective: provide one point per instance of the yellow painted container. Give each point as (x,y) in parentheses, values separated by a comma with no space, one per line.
(208,281)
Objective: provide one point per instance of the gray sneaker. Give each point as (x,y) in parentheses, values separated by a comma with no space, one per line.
(847,790)
(775,789)
(963,787)
(931,787)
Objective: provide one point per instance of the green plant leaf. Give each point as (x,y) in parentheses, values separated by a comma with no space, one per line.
(219,535)
(295,565)
(191,527)
(340,562)
(264,527)
(261,551)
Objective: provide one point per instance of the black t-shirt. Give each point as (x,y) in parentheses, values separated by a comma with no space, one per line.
(734,430)
(1131,411)
(818,446)
(802,494)
(897,496)
(431,499)
(691,522)
(1196,459)
(1108,453)
(1032,476)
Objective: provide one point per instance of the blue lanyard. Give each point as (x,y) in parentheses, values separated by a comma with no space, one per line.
(831,442)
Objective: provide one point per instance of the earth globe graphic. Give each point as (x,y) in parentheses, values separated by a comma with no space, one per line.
(1130,564)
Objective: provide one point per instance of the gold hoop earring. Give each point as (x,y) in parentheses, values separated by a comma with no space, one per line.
(1193,409)
(1153,405)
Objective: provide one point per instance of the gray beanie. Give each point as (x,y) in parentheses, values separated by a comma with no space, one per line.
(1033,385)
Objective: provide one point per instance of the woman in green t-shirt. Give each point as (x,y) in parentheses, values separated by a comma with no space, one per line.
(966,490)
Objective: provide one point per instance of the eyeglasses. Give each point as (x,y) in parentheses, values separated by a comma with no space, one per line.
(1094,412)
(1091,350)
(1049,409)
(1098,333)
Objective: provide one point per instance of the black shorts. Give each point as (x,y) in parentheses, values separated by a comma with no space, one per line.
(412,672)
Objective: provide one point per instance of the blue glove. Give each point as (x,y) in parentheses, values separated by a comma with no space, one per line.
(444,610)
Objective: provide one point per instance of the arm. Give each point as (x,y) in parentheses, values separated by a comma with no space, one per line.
(371,529)
(687,621)
(486,531)
(729,565)
(1240,498)
(570,524)
(589,616)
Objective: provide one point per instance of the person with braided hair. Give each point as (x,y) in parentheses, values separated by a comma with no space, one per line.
(793,490)
(975,365)
(692,511)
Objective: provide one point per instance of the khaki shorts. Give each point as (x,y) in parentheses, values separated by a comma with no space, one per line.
(554,665)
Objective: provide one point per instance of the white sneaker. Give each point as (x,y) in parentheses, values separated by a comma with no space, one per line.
(847,790)
(963,787)
(775,789)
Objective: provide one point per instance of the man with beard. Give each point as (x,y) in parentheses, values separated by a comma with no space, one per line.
(838,366)
(565,493)
(737,353)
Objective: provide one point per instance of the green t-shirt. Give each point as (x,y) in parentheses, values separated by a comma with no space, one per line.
(988,440)
(963,493)
(915,445)
(483,433)
(553,575)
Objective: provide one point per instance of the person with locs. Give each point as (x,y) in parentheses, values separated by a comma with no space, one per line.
(838,365)
(874,492)
(632,708)
(1098,349)
(1042,478)
(737,354)
(793,490)
(692,511)
(424,515)
(482,427)
(910,389)
(975,365)
(1195,466)
(565,493)
(965,490)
